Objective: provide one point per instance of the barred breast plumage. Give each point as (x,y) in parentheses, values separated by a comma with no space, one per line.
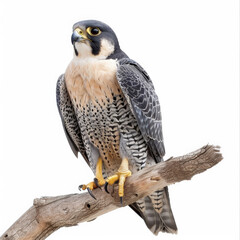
(104,115)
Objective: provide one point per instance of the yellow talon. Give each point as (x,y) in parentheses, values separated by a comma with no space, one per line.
(111,180)
(99,178)
(90,185)
(122,179)
(121,175)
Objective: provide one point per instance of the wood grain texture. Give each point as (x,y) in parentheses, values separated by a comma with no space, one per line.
(51,213)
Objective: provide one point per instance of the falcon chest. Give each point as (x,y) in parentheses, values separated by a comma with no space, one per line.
(91,79)
(98,103)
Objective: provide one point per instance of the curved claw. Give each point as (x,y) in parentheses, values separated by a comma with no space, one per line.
(96,182)
(105,187)
(91,194)
(121,200)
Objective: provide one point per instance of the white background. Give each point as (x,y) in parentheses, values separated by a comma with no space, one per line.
(190,50)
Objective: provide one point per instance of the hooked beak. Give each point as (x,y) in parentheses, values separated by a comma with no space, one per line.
(78,36)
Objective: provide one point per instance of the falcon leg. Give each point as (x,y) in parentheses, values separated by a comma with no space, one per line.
(121,175)
(98,180)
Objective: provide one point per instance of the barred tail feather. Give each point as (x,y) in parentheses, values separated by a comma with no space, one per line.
(156,212)
(151,217)
(166,216)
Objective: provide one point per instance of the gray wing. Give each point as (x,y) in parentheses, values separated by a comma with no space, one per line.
(69,119)
(143,100)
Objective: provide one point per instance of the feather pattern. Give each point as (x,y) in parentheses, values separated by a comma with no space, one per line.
(69,120)
(141,96)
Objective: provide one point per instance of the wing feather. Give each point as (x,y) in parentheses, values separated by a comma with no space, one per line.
(143,100)
(69,119)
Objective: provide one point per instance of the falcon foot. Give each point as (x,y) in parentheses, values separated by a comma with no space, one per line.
(120,176)
(90,186)
(98,180)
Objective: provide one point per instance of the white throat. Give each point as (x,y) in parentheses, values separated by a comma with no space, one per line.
(85,51)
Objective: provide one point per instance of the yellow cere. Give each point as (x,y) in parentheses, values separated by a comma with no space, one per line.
(79,31)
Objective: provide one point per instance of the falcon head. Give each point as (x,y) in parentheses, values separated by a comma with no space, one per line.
(91,38)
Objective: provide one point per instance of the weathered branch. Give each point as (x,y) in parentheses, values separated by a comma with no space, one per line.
(51,213)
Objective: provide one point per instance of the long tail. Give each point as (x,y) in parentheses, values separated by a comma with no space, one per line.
(156,212)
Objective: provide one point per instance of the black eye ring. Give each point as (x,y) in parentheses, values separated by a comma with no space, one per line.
(93,31)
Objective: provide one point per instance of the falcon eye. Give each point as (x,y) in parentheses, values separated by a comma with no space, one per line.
(93,31)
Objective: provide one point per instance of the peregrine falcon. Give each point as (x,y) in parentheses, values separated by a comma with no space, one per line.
(111,114)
